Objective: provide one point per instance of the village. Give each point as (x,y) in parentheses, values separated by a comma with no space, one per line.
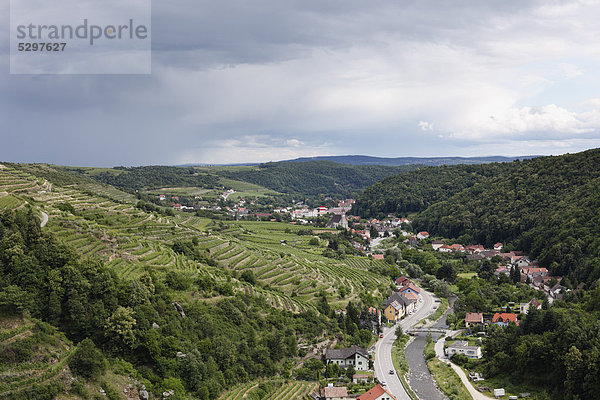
(373,238)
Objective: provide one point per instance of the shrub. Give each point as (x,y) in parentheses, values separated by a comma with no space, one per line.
(87,361)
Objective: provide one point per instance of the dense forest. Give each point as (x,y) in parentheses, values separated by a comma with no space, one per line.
(231,340)
(416,190)
(547,207)
(136,178)
(314,178)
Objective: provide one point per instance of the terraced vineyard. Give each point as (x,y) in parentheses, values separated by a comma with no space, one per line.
(294,390)
(104,224)
(56,350)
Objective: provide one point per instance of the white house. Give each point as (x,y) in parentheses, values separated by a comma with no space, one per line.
(354,355)
(436,244)
(462,347)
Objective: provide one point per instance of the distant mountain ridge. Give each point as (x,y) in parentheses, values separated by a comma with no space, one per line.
(399,161)
(385,161)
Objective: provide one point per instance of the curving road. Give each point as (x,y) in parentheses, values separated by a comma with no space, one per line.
(44,219)
(383,348)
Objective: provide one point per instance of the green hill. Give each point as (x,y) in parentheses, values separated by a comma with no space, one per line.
(416,190)
(108,270)
(314,178)
(547,207)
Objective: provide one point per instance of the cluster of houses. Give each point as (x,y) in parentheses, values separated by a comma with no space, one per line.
(532,274)
(474,251)
(174,203)
(500,319)
(386,226)
(414,239)
(529,270)
(402,302)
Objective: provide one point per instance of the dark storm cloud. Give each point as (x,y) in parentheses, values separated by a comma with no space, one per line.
(237,81)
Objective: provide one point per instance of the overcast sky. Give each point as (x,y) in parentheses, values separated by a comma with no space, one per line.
(246,81)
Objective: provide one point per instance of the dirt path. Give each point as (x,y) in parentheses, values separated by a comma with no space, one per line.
(439,350)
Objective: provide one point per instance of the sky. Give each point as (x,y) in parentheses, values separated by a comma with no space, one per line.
(237,81)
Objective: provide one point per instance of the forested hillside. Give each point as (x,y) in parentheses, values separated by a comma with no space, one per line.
(135,178)
(313,178)
(547,207)
(136,320)
(416,190)
(120,294)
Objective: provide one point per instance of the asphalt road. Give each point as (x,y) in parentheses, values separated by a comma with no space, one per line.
(44,219)
(383,348)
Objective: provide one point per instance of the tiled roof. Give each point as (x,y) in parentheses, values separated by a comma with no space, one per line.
(335,392)
(472,317)
(410,296)
(374,393)
(345,353)
(505,317)
(411,286)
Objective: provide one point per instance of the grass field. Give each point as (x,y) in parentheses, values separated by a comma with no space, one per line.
(448,381)
(245,189)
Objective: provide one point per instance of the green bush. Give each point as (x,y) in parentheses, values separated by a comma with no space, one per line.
(87,361)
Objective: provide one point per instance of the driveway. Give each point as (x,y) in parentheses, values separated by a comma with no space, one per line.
(439,351)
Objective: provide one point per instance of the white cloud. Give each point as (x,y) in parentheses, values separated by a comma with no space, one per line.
(549,121)
(569,71)
(425,126)
(255,148)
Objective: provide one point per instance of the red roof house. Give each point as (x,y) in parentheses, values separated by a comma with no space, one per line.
(410,288)
(376,393)
(473,318)
(503,319)
(403,281)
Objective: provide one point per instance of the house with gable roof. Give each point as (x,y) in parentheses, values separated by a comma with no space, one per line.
(376,393)
(354,355)
(472,318)
(503,319)
(334,393)
(410,288)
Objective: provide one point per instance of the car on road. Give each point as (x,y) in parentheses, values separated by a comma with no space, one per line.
(381,335)
(382,383)
(392,372)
